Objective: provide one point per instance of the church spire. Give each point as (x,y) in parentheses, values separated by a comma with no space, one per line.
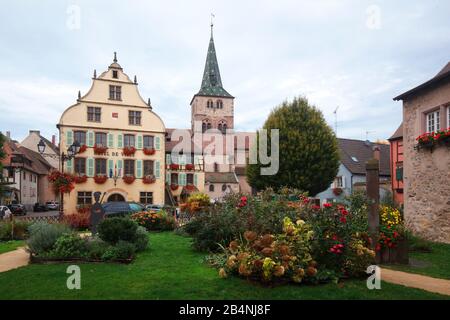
(212,82)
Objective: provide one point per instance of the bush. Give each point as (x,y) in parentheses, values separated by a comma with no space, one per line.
(70,246)
(78,221)
(112,230)
(154,221)
(43,236)
(196,202)
(97,248)
(141,242)
(121,251)
(20,231)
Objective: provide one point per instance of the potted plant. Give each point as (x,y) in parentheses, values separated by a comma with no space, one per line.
(100,179)
(174,166)
(174,186)
(129,151)
(80,178)
(99,149)
(190,167)
(149,179)
(149,151)
(128,179)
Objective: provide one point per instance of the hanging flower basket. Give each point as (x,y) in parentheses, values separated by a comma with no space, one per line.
(83,148)
(100,179)
(173,186)
(129,151)
(128,179)
(337,191)
(149,179)
(174,166)
(149,151)
(80,179)
(190,167)
(62,182)
(100,149)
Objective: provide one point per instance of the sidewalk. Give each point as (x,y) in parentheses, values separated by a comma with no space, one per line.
(14,259)
(412,280)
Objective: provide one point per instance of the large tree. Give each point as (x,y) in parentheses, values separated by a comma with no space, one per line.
(308,149)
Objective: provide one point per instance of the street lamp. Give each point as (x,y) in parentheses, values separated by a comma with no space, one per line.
(71,152)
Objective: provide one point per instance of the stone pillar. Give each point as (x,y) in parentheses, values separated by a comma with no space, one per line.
(373,195)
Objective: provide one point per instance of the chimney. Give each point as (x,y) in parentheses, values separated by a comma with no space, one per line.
(54,140)
(376,153)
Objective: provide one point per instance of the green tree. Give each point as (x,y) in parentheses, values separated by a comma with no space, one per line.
(308,150)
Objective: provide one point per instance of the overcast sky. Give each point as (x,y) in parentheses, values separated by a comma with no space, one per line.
(356,55)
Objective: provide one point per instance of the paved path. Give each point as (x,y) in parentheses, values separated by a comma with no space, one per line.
(416,281)
(14,259)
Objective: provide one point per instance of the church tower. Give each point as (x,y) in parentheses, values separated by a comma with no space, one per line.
(212,107)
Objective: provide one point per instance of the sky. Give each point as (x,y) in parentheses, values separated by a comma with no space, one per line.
(352,54)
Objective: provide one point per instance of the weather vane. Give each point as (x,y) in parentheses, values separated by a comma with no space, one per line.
(212,23)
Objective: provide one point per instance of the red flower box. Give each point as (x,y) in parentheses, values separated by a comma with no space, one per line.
(173,186)
(129,151)
(100,179)
(83,148)
(190,187)
(149,151)
(128,179)
(174,166)
(148,179)
(190,167)
(80,179)
(100,149)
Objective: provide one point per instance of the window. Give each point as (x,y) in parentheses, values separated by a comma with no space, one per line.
(448,117)
(399,172)
(134,118)
(219,104)
(189,178)
(100,139)
(80,166)
(174,178)
(129,167)
(355,159)
(211,188)
(115,74)
(146,198)
(128,140)
(148,167)
(148,142)
(209,104)
(216,167)
(94,114)
(84,197)
(80,136)
(206,125)
(115,92)
(338,182)
(224,187)
(433,124)
(222,127)
(100,167)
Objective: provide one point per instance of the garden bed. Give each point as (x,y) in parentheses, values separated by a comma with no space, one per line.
(40,260)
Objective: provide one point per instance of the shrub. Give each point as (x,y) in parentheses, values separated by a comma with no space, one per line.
(121,251)
(196,202)
(18,232)
(78,221)
(70,246)
(43,236)
(97,248)
(154,221)
(141,242)
(113,230)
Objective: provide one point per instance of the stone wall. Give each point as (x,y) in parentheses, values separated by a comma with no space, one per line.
(426,173)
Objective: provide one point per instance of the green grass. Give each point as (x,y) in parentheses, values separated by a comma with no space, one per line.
(10,245)
(434,264)
(171,270)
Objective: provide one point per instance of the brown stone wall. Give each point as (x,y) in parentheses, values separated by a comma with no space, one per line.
(426,173)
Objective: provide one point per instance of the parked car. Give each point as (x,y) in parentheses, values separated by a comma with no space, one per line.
(17,209)
(120,208)
(154,207)
(52,205)
(5,213)
(39,207)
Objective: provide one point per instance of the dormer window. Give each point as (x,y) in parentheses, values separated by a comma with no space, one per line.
(115,74)
(115,92)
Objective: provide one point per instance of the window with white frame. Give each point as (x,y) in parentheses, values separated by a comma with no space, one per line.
(448,117)
(338,182)
(433,121)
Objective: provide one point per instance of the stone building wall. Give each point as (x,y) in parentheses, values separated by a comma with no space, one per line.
(426,173)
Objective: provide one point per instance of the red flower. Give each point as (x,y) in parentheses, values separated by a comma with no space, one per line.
(190,167)
(174,166)
(128,179)
(83,148)
(305,200)
(343,219)
(99,149)
(149,151)
(327,205)
(378,247)
(129,151)
(100,179)
(316,207)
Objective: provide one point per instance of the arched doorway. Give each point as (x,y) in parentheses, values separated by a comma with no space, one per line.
(115,197)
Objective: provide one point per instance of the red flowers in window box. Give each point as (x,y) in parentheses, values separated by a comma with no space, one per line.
(128,179)
(99,149)
(190,187)
(190,167)
(173,186)
(149,151)
(80,179)
(100,179)
(174,166)
(149,179)
(83,148)
(428,140)
(129,151)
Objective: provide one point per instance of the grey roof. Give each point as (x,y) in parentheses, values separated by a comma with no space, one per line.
(443,75)
(398,134)
(363,151)
(221,177)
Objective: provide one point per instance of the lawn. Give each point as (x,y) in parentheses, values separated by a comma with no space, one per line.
(434,264)
(10,245)
(171,270)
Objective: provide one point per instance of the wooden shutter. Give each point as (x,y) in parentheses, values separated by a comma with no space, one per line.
(195,179)
(69,138)
(90,139)
(138,168)
(120,140)
(110,140)
(120,167)
(110,172)
(168,159)
(157,170)
(139,142)
(168,177)
(157,143)
(90,167)
(69,165)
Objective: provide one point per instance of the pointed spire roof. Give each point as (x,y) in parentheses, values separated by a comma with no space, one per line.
(212,82)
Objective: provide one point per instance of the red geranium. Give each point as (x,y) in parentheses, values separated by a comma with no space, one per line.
(149,151)
(174,186)
(327,205)
(148,179)
(128,179)
(62,182)
(243,202)
(100,179)
(174,166)
(80,179)
(100,149)
(83,148)
(190,167)
(129,151)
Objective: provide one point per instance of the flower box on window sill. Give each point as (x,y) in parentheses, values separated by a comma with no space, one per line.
(337,191)
(83,148)
(190,167)
(149,179)
(100,149)
(430,140)
(100,179)
(128,179)
(80,179)
(173,186)
(190,187)
(149,151)
(174,166)
(129,151)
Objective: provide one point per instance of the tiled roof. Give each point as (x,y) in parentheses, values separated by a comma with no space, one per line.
(355,153)
(220,177)
(240,171)
(398,133)
(33,161)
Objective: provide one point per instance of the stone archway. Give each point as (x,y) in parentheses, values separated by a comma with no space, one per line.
(115,197)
